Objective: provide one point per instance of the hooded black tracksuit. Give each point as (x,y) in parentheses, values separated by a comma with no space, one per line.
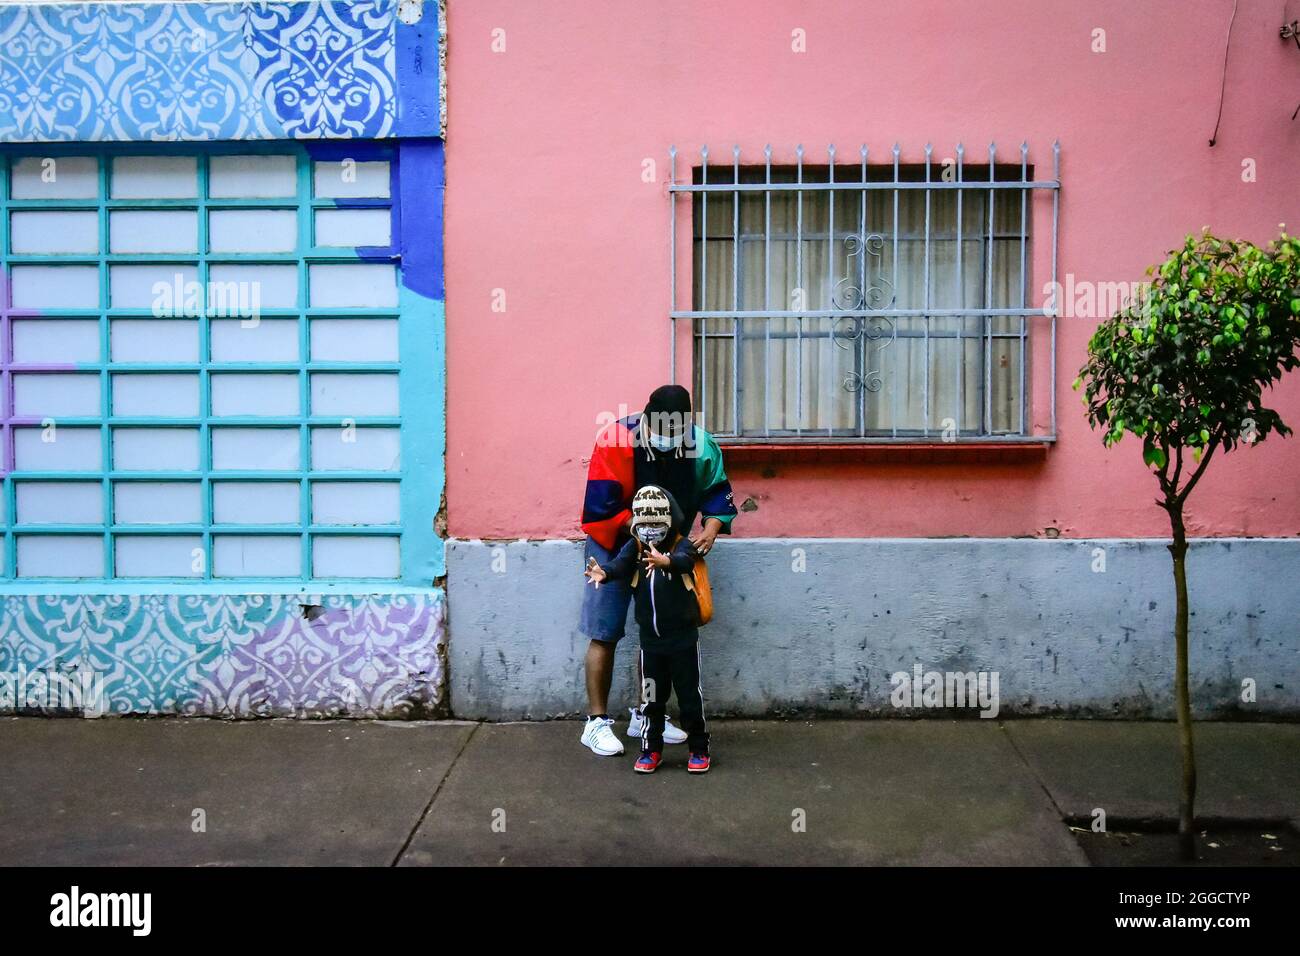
(667,615)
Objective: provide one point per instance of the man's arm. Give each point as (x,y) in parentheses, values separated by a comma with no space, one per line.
(605,512)
(717,509)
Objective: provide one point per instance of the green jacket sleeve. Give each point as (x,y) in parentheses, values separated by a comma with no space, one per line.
(711,480)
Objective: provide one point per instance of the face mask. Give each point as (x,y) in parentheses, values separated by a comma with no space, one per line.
(651,533)
(663,442)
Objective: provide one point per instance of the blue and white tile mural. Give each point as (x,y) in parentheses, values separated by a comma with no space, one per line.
(92,72)
(234,579)
(233,655)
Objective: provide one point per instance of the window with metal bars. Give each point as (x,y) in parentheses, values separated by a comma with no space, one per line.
(863,301)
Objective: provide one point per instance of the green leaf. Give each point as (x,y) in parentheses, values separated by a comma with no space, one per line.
(1155,456)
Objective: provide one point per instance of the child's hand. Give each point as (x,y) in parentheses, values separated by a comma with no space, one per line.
(655,559)
(594,573)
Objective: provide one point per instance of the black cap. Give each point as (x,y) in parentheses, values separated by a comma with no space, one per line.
(668,410)
(669,398)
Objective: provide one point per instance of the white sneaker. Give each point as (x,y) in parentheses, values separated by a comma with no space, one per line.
(637,725)
(598,734)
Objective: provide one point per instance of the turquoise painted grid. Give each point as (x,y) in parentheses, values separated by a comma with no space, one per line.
(417,375)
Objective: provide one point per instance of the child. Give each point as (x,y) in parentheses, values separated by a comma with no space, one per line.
(660,560)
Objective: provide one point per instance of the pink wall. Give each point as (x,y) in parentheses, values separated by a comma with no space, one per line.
(545,200)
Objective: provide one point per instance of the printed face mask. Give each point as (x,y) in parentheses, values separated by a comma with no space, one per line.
(651,533)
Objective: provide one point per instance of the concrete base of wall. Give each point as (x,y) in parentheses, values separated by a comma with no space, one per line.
(1069,627)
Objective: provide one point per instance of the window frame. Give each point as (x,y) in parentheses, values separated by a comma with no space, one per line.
(307,253)
(1002,176)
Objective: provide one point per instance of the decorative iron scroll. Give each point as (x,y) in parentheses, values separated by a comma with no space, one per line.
(859,295)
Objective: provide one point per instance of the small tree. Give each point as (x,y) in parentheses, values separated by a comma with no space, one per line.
(1184,368)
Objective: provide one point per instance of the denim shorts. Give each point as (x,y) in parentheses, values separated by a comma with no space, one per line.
(604,608)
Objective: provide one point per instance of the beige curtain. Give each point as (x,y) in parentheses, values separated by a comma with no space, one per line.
(806,374)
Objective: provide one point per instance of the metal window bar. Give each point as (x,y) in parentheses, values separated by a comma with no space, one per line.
(736,373)
(830,245)
(108,423)
(893,392)
(751,421)
(988,297)
(1024,279)
(672,265)
(959,364)
(767,289)
(703,363)
(802,292)
(860,353)
(925,294)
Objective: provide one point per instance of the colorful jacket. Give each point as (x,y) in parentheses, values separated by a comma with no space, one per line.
(622,462)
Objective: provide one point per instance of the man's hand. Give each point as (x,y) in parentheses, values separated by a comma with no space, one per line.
(654,558)
(703,540)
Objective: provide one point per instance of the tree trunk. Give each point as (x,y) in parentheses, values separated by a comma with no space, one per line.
(1182,697)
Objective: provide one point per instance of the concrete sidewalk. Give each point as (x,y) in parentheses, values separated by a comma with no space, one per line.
(110,791)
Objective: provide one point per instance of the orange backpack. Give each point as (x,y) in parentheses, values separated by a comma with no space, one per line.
(698,581)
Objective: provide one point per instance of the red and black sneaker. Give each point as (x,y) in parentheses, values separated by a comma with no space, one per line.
(648,762)
(698,763)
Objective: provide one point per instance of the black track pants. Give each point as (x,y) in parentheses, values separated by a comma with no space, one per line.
(673,670)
